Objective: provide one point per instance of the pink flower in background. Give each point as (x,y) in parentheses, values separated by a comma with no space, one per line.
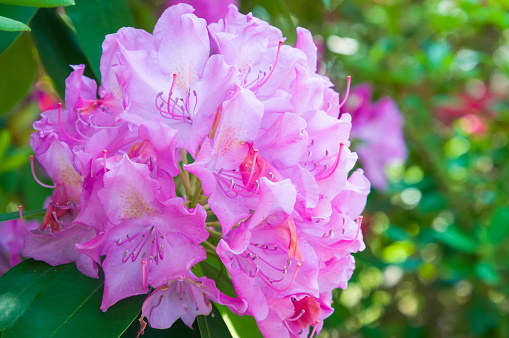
(378,129)
(210,10)
(11,242)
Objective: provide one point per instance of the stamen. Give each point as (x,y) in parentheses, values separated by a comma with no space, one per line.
(274,67)
(54,214)
(335,166)
(301,313)
(104,159)
(23,223)
(35,177)
(144,274)
(62,127)
(293,332)
(348,79)
(169,94)
(314,329)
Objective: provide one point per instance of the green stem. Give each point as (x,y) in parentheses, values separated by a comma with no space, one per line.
(214,233)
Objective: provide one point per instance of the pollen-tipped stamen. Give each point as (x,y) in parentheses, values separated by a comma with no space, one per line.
(62,127)
(23,223)
(273,67)
(348,80)
(144,274)
(314,328)
(35,177)
(104,159)
(335,166)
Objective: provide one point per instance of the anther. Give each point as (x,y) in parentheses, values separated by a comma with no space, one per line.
(104,159)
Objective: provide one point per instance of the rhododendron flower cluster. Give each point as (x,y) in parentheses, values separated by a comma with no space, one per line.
(181,155)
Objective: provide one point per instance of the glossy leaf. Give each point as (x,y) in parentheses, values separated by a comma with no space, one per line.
(17,69)
(178,329)
(21,14)
(11,25)
(93,20)
(67,305)
(499,226)
(244,326)
(20,285)
(57,47)
(39,3)
(223,281)
(13,215)
(213,326)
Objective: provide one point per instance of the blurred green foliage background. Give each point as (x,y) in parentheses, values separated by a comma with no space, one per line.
(437,256)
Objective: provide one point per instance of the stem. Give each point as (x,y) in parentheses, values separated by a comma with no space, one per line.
(214,233)
(197,194)
(209,246)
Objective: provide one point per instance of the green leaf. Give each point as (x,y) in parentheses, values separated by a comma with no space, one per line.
(20,285)
(456,239)
(178,329)
(213,326)
(326,3)
(11,25)
(13,215)
(17,66)
(67,305)
(39,3)
(223,281)
(486,273)
(93,20)
(244,326)
(57,47)
(21,14)
(499,227)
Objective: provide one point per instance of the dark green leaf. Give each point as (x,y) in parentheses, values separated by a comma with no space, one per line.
(93,20)
(67,305)
(13,215)
(21,14)
(213,325)
(223,281)
(39,3)
(178,329)
(17,66)
(499,227)
(11,25)
(20,285)
(57,47)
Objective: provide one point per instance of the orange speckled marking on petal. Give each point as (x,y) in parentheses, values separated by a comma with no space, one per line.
(134,206)
(229,139)
(69,175)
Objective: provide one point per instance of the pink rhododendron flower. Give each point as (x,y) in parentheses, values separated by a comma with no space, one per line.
(378,127)
(269,178)
(11,242)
